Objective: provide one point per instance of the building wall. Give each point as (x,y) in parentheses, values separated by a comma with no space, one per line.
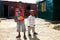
(0,8)
(47,7)
(13,5)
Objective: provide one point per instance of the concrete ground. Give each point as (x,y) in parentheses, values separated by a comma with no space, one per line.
(44,29)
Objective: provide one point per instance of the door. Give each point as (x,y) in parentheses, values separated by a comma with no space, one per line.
(5,11)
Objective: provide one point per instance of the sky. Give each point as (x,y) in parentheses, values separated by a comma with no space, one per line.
(25,1)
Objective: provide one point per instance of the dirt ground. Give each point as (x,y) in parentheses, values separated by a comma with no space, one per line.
(45,30)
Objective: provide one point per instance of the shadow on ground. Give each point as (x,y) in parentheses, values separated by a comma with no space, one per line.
(57,28)
(18,39)
(55,22)
(34,38)
(30,38)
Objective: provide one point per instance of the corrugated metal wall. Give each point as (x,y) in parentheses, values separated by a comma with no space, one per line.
(52,10)
(13,5)
(56,9)
(45,9)
(0,8)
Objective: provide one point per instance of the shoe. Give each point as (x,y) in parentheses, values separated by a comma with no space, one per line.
(29,34)
(25,37)
(18,36)
(35,33)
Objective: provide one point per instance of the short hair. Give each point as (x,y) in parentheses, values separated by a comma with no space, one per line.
(20,2)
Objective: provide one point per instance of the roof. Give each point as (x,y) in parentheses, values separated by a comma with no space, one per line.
(25,1)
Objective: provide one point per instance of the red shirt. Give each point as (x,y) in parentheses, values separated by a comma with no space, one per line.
(21,13)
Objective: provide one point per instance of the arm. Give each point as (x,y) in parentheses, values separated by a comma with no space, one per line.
(23,12)
(16,13)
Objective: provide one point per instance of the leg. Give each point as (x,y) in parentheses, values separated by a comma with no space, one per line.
(24,36)
(29,29)
(33,30)
(18,35)
(23,29)
(18,29)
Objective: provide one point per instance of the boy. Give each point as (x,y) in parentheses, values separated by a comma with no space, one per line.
(31,19)
(19,15)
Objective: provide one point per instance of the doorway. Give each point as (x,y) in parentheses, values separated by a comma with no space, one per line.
(5,11)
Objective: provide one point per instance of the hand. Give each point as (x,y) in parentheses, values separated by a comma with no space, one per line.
(15,20)
(28,26)
(34,25)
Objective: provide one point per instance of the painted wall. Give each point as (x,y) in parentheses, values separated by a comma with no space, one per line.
(47,7)
(0,8)
(13,5)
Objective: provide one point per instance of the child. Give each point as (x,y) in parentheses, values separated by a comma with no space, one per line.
(31,19)
(19,14)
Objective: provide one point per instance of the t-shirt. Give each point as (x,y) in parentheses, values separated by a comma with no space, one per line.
(19,14)
(31,20)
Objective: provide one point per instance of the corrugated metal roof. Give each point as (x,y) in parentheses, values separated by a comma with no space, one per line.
(25,1)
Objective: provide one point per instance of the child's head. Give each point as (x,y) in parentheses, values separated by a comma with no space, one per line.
(20,4)
(32,12)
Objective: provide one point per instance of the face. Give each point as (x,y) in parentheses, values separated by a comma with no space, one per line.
(20,5)
(32,13)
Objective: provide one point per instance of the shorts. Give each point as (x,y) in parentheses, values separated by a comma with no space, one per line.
(21,26)
(32,25)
